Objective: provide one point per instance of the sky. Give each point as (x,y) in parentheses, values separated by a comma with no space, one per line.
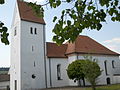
(108,36)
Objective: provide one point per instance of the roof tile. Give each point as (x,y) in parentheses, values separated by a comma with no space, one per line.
(4,77)
(82,45)
(55,51)
(86,45)
(27,14)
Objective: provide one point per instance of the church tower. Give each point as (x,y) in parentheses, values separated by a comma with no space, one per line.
(27,71)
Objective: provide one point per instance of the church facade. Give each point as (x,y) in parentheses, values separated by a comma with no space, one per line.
(37,64)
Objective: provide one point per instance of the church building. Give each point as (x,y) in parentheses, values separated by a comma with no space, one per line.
(37,64)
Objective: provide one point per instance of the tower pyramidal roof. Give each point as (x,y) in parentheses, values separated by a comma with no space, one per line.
(27,13)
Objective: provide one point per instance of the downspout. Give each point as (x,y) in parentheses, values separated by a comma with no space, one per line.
(44,44)
(50,72)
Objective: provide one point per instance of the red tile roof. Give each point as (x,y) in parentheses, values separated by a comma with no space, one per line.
(4,77)
(86,45)
(55,51)
(27,14)
(82,45)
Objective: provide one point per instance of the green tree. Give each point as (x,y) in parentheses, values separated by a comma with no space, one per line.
(87,69)
(85,14)
(3,30)
(74,70)
(91,71)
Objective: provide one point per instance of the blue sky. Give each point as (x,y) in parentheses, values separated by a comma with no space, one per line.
(109,35)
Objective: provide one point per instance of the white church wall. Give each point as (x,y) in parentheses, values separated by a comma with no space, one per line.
(72,58)
(64,78)
(100,60)
(15,50)
(32,56)
(116,79)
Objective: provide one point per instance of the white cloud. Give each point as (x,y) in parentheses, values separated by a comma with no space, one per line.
(113,44)
(114,40)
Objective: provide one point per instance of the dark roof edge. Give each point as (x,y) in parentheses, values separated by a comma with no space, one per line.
(56,57)
(4,80)
(56,44)
(32,21)
(92,53)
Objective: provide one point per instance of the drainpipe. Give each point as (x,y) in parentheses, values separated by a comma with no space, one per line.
(50,72)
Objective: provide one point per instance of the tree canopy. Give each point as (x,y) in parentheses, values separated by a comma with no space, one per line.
(91,71)
(75,70)
(3,30)
(2,1)
(85,14)
(87,69)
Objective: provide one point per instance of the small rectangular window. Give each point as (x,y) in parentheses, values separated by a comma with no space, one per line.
(35,30)
(15,31)
(113,64)
(31,30)
(34,63)
(32,48)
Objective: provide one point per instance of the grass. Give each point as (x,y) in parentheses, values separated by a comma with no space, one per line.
(109,87)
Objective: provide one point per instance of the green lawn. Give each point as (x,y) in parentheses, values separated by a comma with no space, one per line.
(110,87)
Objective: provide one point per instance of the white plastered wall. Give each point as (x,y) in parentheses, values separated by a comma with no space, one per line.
(32,61)
(15,50)
(52,66)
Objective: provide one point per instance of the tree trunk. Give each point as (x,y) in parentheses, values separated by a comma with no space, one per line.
(83,81)
(93,87)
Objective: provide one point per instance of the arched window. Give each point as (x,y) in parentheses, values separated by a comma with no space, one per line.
(105,63)
(108,80)
(34,63)
(113,64)
(32,48)
(31,30)
(35,30)
(15,32)
(59,71)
